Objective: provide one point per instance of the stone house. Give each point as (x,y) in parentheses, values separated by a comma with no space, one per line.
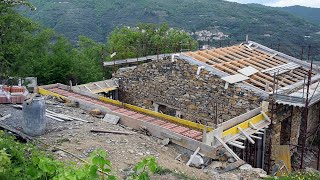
(213,86)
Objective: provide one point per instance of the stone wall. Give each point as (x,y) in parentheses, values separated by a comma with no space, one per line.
(294,115)
(313,121)
(176,85)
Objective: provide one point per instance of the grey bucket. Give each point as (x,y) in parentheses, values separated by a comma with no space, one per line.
(34,119)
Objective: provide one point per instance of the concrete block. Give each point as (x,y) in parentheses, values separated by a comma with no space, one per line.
(113,119)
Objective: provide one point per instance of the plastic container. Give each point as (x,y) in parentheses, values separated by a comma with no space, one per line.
(34,119)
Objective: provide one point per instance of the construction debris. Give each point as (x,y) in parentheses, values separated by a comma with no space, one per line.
(113,132)
(5,117)
(197,161)
(62,117)
(178,158)
(193,156)
(113,119)
(165,141)
(95,112)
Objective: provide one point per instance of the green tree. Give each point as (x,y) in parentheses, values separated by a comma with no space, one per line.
(87,61)
(26,49)
(148,39)
(45,55)
(13,32)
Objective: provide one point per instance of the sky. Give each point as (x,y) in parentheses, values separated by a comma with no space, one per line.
(282,3)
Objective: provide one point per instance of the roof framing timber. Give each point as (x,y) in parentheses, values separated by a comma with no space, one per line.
(231,59)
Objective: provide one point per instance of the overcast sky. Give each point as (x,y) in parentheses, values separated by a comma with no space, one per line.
(281,3)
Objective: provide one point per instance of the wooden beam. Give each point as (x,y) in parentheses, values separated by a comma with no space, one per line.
(215,55)
(220,56)
(210,57)
(198,57)
(255,137)
(203,59)
(255,77)
(246,135)
(227,148)
(192,156)
(265,116)
(252,125)
(264,57)
(236,145)
(257,58)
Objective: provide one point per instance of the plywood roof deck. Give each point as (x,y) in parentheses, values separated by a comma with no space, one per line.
(233,58)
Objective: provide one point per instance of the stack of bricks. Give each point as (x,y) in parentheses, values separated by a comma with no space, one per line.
(12,94)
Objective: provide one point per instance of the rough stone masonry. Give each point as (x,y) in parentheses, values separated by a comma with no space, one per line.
(175,88)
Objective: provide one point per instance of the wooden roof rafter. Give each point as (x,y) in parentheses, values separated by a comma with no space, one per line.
(231,59)
(256,58)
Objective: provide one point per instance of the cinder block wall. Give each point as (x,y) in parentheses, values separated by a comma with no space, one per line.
(176,85)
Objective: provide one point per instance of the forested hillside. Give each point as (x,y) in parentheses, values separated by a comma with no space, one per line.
(28,49)
(97,18)
(310,14)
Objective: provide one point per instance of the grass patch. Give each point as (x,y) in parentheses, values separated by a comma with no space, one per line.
(298,176)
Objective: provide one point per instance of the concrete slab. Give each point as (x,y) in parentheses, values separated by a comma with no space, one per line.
(113,119)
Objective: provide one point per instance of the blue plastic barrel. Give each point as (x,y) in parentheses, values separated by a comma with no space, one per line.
(34,117)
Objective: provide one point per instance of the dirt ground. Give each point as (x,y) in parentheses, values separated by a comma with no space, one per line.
(124,151)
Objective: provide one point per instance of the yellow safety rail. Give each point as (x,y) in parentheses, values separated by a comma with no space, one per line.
(244,125)
(184,122)
(46,93)
(104,90)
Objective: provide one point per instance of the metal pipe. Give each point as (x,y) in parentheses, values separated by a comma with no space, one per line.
(318,157)
(271,124)
(263,148)
(306,113)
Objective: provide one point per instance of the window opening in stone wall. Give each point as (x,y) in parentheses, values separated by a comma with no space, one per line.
(166,110)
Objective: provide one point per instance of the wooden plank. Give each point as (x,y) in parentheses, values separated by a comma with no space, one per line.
(240,119)
(192,156)
(237,56)
(252,57)
(246,135)
(237,142)
(266,58)
(220,56)
(207,58)
(255,137)
(236,145)
(282,152)
(210,57)
(227,148)
(244,125)
(198,57)
(5,117)
(258,78)
(113,132)
(224,68)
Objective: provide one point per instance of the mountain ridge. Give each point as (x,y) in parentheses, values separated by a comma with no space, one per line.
(96,19)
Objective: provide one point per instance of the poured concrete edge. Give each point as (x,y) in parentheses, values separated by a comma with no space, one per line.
(163,133)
